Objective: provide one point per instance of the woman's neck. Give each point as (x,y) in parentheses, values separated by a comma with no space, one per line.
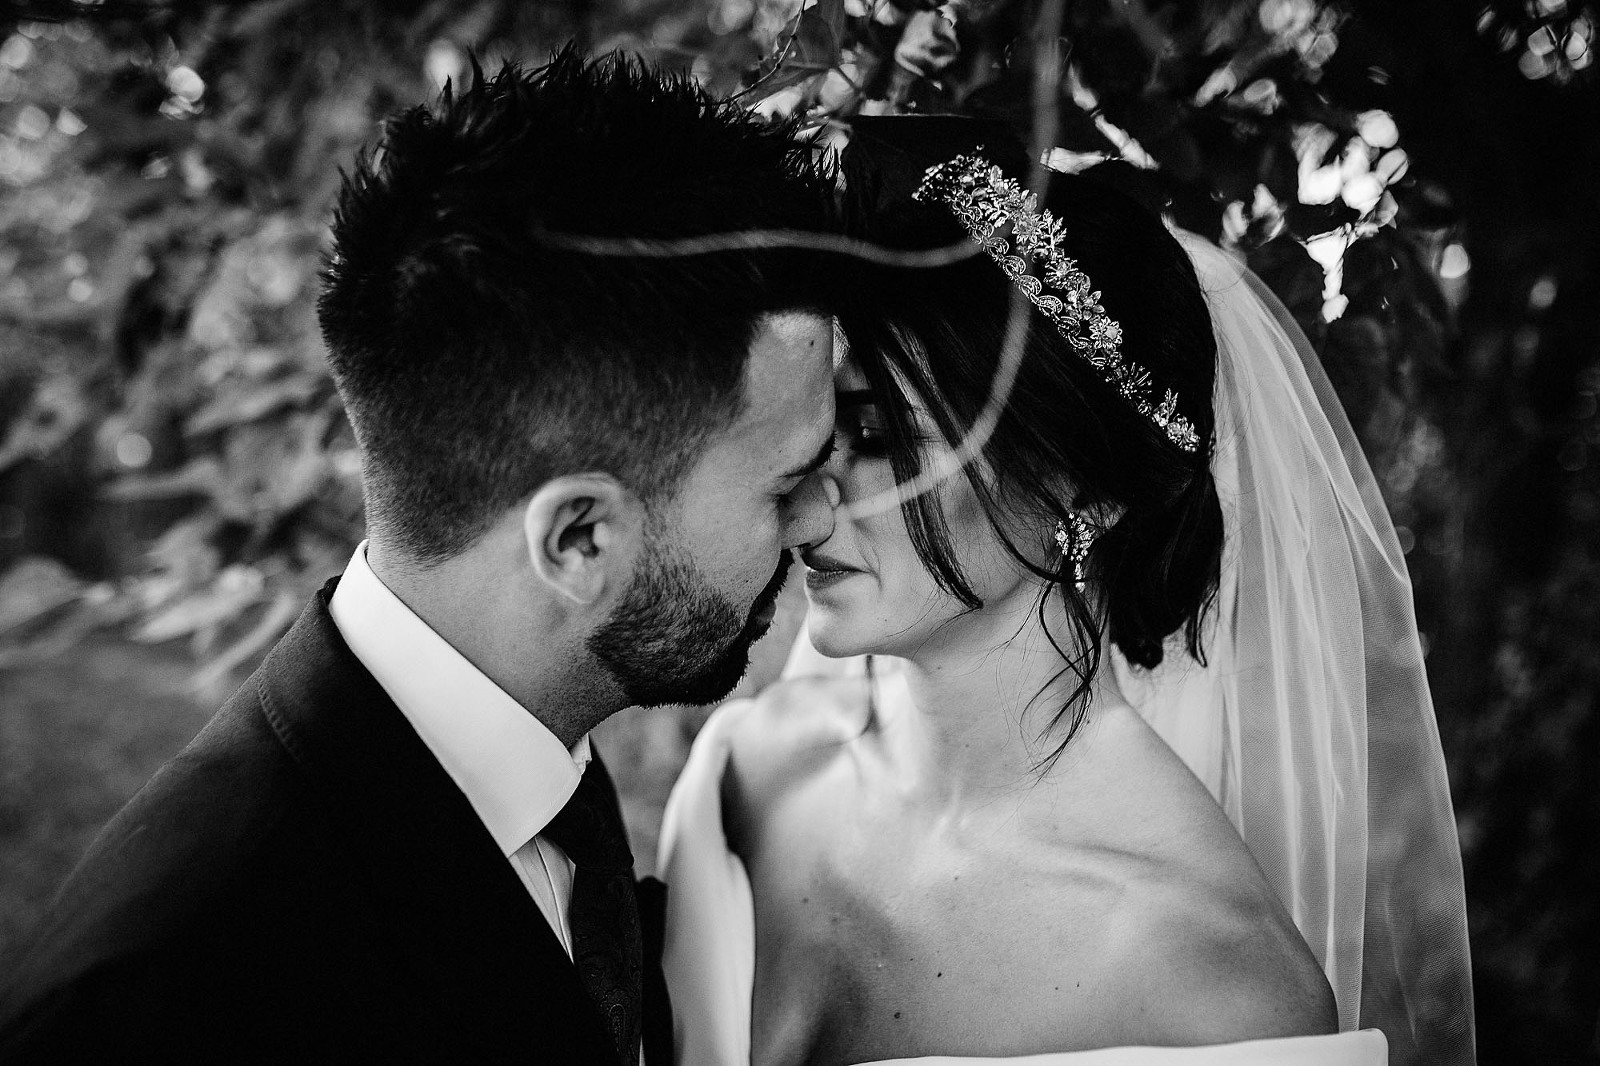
(974,720)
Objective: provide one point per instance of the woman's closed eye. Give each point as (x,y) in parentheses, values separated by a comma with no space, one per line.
(859,426)
(863,436)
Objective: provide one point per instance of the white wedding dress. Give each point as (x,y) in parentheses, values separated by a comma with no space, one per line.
(1310,724)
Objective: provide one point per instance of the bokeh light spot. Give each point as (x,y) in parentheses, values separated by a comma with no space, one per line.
(17,52)
(444,63)
(730,15)
(1534,66)
(1286,18)
(1378,129)
(184,82)
(1392,166)
(134,450)
(1542,294)
(1363,192)
(32,123)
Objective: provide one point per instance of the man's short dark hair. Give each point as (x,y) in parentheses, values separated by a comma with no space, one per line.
(479,354)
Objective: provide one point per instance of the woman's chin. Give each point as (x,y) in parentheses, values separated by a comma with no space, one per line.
(831,635)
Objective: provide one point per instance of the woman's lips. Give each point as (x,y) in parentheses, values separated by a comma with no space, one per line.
(826,575)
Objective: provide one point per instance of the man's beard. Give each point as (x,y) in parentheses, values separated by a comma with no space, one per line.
(674,639)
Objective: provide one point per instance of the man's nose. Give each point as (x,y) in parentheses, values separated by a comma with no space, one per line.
(809,517)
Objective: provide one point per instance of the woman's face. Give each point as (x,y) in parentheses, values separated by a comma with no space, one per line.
(868,588)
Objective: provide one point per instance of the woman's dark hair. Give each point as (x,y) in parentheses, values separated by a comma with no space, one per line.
(1064,431)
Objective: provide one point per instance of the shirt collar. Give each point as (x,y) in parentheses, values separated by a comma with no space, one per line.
(512,769)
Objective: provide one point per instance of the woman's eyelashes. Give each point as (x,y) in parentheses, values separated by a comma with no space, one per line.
(860,426)
(862,433)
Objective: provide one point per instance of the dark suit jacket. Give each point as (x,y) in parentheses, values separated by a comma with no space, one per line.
(303,882)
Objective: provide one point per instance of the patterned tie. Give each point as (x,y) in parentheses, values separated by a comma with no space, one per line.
(607,943)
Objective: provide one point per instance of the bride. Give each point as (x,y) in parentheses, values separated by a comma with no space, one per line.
(1138,762)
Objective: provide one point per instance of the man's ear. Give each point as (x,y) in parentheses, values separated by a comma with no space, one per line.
(582,531)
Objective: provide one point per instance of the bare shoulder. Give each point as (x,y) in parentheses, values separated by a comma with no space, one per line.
(1221,962)
(781,739)
(1205,941)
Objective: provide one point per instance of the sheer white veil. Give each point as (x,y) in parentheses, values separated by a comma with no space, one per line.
(1311,722)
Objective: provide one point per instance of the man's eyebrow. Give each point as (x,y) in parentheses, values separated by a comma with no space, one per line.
(813,464)
(855,398)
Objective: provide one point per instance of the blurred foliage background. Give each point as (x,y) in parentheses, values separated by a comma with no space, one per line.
(1419,181)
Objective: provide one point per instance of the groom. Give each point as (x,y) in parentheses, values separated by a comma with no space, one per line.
(583,473)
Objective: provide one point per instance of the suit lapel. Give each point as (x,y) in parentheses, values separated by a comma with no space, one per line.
(472,935)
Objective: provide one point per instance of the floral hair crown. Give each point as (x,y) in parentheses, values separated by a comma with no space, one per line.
(984,200)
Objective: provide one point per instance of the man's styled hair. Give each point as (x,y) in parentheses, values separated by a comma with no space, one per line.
(480,354)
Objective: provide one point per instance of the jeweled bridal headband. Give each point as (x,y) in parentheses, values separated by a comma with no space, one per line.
(984,200)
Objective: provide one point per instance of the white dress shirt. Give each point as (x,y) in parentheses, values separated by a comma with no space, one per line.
(513,771)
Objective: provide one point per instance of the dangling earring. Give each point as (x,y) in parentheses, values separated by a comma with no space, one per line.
(1075,537)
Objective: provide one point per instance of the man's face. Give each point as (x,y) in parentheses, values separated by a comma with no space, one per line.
(717,554)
